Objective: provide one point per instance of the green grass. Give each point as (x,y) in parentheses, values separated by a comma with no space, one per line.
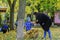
(8,36)
(12,34)
(55,34)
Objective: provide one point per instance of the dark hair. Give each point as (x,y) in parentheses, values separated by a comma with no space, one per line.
(28,15)
(34,13)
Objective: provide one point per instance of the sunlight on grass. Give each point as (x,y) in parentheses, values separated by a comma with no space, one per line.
(8,36)
(55,34)
(12,34)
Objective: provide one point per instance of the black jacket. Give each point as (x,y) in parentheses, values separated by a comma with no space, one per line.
(42,18)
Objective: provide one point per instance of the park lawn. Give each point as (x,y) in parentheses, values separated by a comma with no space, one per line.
(12,34)
(55,34)
(8,36)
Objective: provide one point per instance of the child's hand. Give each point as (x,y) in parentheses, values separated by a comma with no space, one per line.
(33,22)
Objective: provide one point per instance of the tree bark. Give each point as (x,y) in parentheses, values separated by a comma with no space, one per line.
(0,20)
(12,18)
(21,14)
(12,13)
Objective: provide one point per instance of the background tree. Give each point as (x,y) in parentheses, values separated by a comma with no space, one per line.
(21,15)
(11,5)
(48,6)
(0,20)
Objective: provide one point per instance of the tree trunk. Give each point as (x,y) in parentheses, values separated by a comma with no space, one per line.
(21,14)
(11,13)
(0,20)
(11,18)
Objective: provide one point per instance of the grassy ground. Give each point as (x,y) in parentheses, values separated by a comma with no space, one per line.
(55,34)
(12,34)
(8,36)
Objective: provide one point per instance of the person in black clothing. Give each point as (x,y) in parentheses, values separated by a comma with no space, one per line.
(45,22)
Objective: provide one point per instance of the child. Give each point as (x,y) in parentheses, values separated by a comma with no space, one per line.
(28,24)
(5,28)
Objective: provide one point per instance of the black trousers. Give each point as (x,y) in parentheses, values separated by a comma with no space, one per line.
(4,30)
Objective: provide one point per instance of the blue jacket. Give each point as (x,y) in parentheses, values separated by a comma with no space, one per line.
(28,25)
(5,26)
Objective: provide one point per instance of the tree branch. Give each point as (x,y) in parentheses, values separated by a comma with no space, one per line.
(14,2)
(9,2)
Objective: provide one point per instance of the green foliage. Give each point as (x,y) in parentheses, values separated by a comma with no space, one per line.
(4,1)
(58,5)
(35,5)
(42,5)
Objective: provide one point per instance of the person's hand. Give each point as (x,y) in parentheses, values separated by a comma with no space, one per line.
(33,22)
(36,20)
(43,23)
